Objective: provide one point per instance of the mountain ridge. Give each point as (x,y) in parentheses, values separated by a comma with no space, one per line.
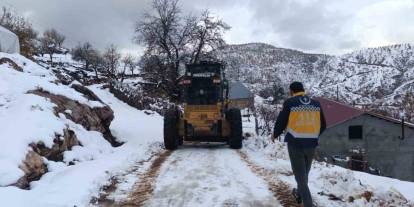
(377,77)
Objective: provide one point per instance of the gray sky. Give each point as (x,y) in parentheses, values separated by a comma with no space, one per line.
(321,26)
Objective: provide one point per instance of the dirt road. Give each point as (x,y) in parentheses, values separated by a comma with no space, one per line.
(209,175)
(205,175)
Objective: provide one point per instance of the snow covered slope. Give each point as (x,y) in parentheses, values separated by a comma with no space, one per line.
(369,76)
(26,118)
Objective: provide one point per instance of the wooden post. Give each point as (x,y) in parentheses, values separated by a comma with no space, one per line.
(402,128)
(337,93)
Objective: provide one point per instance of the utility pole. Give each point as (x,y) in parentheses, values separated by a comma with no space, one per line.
(337,93)
(402,126)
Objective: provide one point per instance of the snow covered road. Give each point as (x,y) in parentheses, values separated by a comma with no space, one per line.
(209,175)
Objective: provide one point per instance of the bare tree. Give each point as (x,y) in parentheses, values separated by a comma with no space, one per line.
(97,63)
(171,38)
(22,28)
(133,66)
(111,59)
(153,71)
(403,61)
(408,106)
(86,54)
(51,42)
(266,117)
(208,35)
(128,63)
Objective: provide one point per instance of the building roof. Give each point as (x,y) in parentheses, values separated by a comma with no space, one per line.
(239,91)
(337,113)
(390,119)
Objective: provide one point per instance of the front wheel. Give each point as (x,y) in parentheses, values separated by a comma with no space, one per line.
(233,116)
(171,136)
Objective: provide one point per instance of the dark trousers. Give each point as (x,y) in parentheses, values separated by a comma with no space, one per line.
(301,161)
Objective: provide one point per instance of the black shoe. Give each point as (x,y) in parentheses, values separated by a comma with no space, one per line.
(295,194)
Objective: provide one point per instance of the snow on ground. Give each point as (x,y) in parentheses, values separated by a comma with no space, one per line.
(209,175)
(330,179)
(137,127)
(59,58)
(27,118)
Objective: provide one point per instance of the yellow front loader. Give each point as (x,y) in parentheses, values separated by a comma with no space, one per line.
(206,116)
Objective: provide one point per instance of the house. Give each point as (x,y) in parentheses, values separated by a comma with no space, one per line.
(9,42)
(240,96)
(366,141)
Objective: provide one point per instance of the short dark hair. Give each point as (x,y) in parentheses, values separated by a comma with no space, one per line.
(296,87)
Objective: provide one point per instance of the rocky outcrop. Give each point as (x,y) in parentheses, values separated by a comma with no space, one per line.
(140,100)
(61,144)
(5,60)
(94,119)
(91,118)
(86,92)
(33,168)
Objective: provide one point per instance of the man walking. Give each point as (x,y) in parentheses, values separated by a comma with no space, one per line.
(303,120)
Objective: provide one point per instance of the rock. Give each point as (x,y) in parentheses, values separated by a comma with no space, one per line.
(33,168)
(96,119)
(140,100)
(62,77)
(61,144)
(86,92)
(5,60)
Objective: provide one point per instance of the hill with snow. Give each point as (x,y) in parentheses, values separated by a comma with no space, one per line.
(60,143)
(374,76)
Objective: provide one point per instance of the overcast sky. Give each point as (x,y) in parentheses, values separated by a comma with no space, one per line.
(320,26)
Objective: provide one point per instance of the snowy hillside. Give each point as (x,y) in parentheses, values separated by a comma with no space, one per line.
(40,141)
(369,76)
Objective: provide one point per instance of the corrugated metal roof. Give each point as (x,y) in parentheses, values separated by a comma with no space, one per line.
(237,90)
(390,119)
(337,113)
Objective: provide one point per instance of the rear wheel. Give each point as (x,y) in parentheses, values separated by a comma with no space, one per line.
(171,137)
(234,118)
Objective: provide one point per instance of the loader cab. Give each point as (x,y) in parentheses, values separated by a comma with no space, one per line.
(205,116)
(204,84)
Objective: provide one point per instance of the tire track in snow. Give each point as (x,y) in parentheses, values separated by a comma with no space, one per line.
(211,176)
(280,189)
(145,186)
(106,197)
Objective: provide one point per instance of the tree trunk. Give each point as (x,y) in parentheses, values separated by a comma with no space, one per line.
(200,46)
(96,73)
(123,75)
(51,59)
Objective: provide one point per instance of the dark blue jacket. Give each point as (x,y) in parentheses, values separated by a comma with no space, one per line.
(303,120)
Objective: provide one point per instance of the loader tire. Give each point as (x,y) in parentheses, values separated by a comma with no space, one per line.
(171,137)
(234,118)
